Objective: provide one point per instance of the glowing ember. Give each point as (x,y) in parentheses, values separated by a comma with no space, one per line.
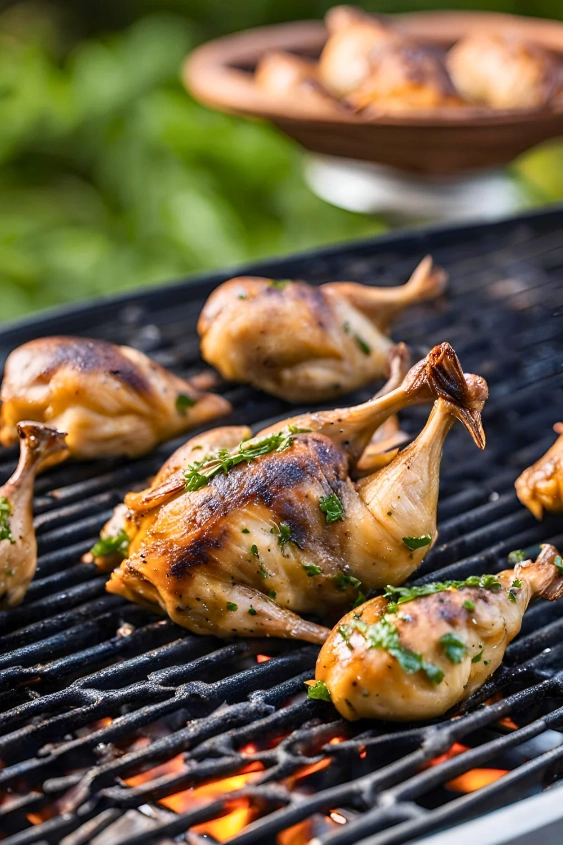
(456,749)
(475,779)
(337,818)
(508,723)
(248,749)
(170,767)
(261,658)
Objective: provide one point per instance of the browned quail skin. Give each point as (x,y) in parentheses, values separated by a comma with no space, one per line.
(541,485)
(40,446)
(251,538)
(112,400)
(305,343)
(417,652)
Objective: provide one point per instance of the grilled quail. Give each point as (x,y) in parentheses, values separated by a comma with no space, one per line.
(304,343)
(414,653)
(285,75)
(541,485)
(112,400)
(243,543)
(500,72)
(39,447)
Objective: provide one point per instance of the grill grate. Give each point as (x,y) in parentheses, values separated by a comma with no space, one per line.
(94,690)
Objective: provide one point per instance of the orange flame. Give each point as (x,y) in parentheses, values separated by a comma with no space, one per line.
(261,658)
(475,779)
(470,781)
(222,828)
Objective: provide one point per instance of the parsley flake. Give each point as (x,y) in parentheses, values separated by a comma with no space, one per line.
(184,402)
(244,531)
(5,514)
(469,605)
(401,595)
(558,563)
(311,569)
(232,606)
(332,508)
(362,345)
(251,611)
(110,545)
(319,691)
(477,657)
(200,473)
(454,648)
(384,635)
(413,543)
(280,284)
(272,594)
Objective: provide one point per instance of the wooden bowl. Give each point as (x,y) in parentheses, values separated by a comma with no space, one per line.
(438,141)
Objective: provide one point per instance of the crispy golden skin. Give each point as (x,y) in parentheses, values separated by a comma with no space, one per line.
(40,446)
(404,76)
(304,343)
(111,400)
(284,75)
(500,72)
(541,485)
(353,34)
(213,558)
(369,682)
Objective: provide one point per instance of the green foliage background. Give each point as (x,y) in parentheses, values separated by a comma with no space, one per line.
(111,177)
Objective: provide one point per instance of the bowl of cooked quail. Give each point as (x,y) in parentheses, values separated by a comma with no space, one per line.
(429,92)
(309,529)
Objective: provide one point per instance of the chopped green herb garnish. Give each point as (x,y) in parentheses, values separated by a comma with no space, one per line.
(362,345)
(454,648)
(516,556)
(558,563)
(232,606)
(343,581)
(262,572)
(184,402)
(389,513)
(401,595)
(311,569)
(242,296)
(332,508)
(477,657)
(200,473)
(511,596)
(346,327)
(272,594)
(413,543)
(318,691)
(194,448)
(111,545)
(5,514)
(469,605)
(383,634)
(283,533)
(280,284)
(516,583)
(345,634)
(254,550)
(245,531)
(251,611)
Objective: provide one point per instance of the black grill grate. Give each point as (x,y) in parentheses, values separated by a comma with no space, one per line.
(73,657)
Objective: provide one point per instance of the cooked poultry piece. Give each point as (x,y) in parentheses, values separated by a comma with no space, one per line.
(541,485)
(283,74)
(243,542)
(123,526)
(352,35)
(404,76)
(39,447)
(112,400)
(415,652)
(304,343)
(501,72)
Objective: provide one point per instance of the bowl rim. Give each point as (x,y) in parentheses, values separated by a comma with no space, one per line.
(213,73)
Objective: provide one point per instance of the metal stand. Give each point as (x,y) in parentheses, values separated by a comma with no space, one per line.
(375,189)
